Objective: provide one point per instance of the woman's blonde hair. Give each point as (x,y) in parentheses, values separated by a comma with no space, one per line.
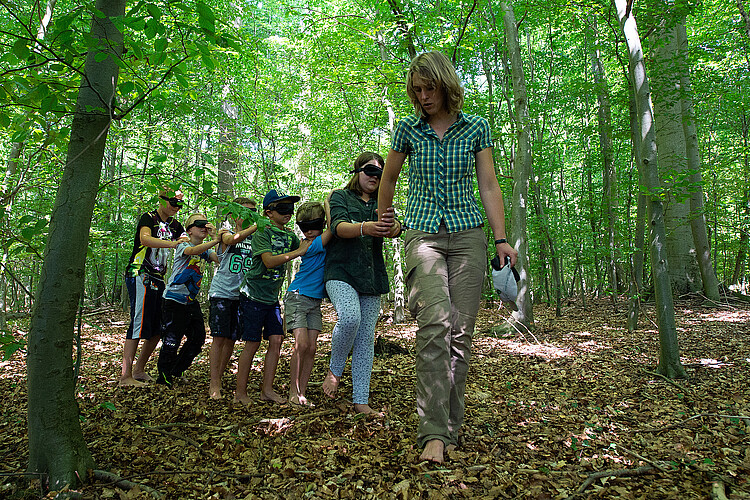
(365,157)
(438,70)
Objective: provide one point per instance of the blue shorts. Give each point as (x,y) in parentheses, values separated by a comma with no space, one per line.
(259,320)
(224,318)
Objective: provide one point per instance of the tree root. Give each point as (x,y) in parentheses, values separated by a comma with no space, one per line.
(124,483)
(667,379)
(611,473)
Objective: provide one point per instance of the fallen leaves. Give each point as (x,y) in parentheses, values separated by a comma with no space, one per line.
(541,418)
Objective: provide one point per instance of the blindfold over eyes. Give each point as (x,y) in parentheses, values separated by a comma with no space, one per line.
(175,202)
(314,224)
(370,170)
(201,223)
(283,208)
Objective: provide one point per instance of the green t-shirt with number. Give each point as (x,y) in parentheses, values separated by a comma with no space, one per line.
(234,262)
(262,284)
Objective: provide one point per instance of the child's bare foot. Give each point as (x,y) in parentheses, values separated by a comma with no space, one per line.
(244,399)
(433,451)
(130,382)
(367,410)
(331,384)
(143,377)
(299,399)
(272,397)
(214,392)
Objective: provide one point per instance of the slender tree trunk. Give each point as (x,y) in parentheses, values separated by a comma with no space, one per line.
(56,444)
(522,171)
(609,198)
(636,261)
(697,219)
(227,161)
(669,352)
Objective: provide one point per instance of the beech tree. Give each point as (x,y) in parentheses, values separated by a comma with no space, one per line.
(669,354)
(56,444)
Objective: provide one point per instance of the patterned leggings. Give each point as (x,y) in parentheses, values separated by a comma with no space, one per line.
(354,332)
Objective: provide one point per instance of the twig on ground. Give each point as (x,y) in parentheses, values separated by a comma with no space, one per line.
(124,483)
(611,473)
(642,458)
(700,415)
(176,436)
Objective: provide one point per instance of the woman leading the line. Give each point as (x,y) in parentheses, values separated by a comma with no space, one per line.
(445,245)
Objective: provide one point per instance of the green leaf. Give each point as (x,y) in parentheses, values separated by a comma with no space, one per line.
(160,158)
(25,219)
(206,18)
(49,103)
(28,232)
(100,56)
(135,47)
(108,405)
(150,29)
(160,45)
(154,11)
(208,62)
(20,49)
(208,186)
(126,87)
(207,158)
(182,81)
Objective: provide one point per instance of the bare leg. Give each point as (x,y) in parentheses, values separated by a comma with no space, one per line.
(433,451)
(269,370)
(215,361)
(243,371)
(331,384)
(128,357)
(226,355)
(139,370)
(298,372)
(307,362)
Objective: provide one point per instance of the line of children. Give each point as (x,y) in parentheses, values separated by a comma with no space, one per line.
(244,295)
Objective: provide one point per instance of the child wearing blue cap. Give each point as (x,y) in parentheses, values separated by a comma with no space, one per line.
(260,312)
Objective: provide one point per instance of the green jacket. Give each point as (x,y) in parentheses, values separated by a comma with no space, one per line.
(356,261)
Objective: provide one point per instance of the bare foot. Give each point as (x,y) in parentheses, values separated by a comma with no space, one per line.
(299,399)
(367,410)
(143,377)
(331,384)
(244,399)
(272,397)
(214,392)
(130,382)
(433,451)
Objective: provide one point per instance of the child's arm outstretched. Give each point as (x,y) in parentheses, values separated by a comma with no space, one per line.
(206,245)
(233,238)
(270,260)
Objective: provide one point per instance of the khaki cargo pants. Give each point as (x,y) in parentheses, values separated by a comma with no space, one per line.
(445,272)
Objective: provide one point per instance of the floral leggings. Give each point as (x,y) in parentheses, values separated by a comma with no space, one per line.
(354,332)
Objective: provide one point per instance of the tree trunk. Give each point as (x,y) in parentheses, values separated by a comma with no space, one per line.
(609,198)
(698,219)
(56,444)
(636,260)
(669,352)
(228,158)
(522,171)
(670,139)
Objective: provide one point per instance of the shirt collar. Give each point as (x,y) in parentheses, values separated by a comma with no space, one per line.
(426,126)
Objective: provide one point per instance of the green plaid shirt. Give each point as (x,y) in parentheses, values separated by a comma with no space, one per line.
(441,172)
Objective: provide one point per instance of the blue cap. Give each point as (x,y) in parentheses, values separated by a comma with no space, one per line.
(277,195)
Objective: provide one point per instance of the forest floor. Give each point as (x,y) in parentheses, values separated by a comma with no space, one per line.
(576,400)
